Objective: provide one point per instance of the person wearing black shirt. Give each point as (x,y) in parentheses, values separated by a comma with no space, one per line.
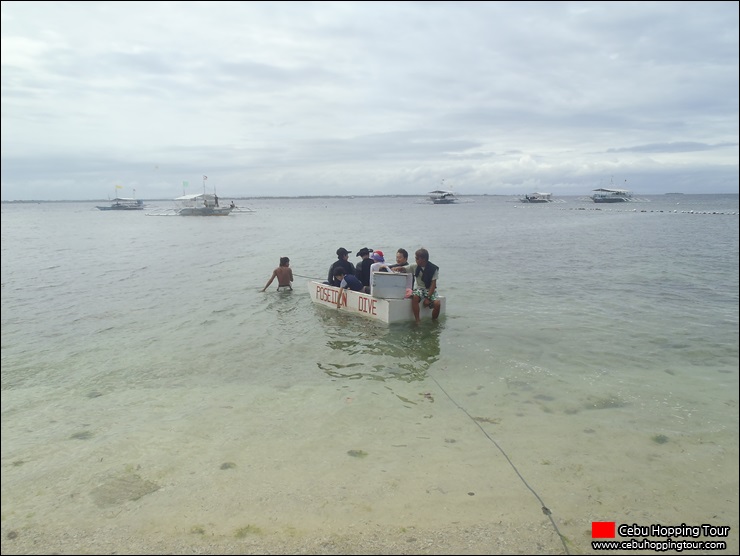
(342,261)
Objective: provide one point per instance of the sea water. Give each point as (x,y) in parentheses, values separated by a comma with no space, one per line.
(586,369)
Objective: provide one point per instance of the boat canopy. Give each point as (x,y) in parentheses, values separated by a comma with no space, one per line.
(190,197)
(612,190)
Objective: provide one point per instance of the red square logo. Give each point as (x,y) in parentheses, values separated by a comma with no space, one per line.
(603,529)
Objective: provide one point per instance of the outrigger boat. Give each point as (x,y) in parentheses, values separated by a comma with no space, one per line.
(199,204)
(202,204)
(537,197)
(603,195)
(611,195)
(442,197)
(124,203)
(388,303)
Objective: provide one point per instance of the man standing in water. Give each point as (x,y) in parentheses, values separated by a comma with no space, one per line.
(283,273)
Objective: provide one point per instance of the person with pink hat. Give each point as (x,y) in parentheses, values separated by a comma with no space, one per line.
(379,259)
(378,266)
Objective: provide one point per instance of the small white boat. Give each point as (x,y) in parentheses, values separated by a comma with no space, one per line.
(603,195)
(197,204)
(442,197)
(611,195)
(537,197)
(124,203)
(387,304)
(201,204)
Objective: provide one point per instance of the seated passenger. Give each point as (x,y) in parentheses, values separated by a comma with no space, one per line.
(404,267)
(378,266)
(342,261)
(346,282)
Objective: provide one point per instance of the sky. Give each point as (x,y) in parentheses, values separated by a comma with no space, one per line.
(367,98)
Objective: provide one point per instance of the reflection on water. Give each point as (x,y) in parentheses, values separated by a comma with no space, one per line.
(377,351)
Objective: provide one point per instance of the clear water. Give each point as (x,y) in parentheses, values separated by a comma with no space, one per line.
(588,361)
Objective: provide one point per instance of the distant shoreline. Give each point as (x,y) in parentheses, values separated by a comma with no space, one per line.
(22,201)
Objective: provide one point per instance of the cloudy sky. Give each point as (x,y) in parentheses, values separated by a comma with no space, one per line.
(367,98)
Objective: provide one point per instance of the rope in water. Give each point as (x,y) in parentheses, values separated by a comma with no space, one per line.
(309,277)
(545,509)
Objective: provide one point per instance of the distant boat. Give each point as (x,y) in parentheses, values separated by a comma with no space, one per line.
(603,195)
(611,195)
(124,203)
(537,198)
(201,204)
(442,197)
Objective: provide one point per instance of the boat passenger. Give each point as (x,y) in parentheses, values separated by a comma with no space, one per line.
(402,260)
(379,262)
(343,261)
(425,293)
(283,273)
(346,282)
(378,266)
(363,269)
(403,266)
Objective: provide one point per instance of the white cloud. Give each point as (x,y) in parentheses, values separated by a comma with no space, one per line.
(276,98)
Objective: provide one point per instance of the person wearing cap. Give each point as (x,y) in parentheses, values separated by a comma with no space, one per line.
(343,261)
(378,265)
(378,262)
(363,269)
(346,282)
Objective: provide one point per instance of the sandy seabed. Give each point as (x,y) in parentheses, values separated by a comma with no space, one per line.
(481,539)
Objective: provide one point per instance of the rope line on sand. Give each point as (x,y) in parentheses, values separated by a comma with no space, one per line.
(545,509)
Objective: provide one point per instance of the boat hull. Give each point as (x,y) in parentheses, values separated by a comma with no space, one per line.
(611,199)
(204,211)
(124,203)
(139,207)
(388,311)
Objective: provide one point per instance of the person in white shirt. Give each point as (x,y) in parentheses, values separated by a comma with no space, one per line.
(378,266)
(404,267)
